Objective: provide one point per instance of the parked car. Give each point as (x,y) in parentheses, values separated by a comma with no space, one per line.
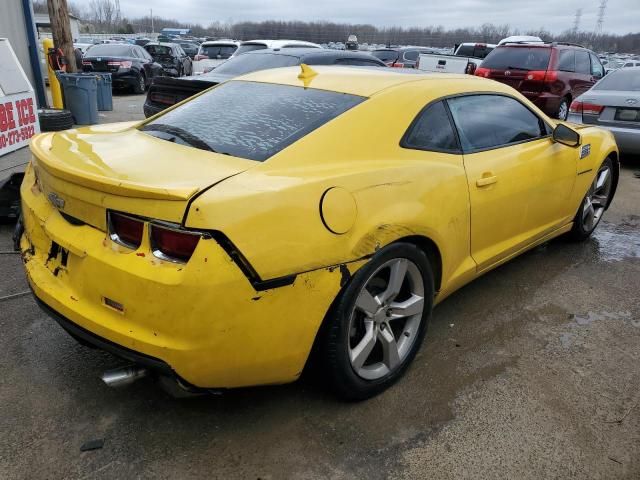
(190,48)
(261,219)
(165,92)
(174,60)
(402,57)
(129,65)
(551,75)
(213,53)
(142,41)
(631,64)
(251,45)
(613,103)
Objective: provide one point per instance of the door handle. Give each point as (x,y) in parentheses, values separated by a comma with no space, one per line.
(486,180)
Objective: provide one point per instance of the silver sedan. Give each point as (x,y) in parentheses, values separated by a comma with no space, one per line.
(613,103)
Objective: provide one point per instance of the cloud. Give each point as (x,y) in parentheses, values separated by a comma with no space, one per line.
(621,15)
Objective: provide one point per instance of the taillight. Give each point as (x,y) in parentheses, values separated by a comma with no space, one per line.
(471,68)
(398,65)
(482,72)
(160,98)
(120,63)
(535,75)
(584,107)
(86,62)
(200,57)
(125,230)
(172,244)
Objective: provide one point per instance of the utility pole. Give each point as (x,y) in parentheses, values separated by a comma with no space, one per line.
(61,29)
(601,10)
(576,21)
(151,11)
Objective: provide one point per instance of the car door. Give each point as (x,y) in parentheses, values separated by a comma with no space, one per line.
(584,79)
(520,181)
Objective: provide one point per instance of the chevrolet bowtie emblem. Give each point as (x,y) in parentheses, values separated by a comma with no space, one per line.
(56,200)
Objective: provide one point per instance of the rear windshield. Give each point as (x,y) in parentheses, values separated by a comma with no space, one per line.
(624,80)
(212,51)
(476,51)
(250,47)
(158,50)
(386,55)
(242,64)
(518,58)
(250,120)
(109,50)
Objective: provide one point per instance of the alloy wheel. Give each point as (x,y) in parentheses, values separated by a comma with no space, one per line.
(563,110)
(385,320)
(597,198)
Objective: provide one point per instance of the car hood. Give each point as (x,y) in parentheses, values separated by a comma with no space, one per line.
(120,159)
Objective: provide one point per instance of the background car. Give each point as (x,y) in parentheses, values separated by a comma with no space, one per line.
(165,92)
(474,50)
(190,48)
(213,53)
(402,57)
(298,209)
(551,75)
(174,60)
(129,65)
(613,103)
(251,45)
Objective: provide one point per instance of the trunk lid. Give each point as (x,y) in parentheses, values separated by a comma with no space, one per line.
(84,172)
(621,108)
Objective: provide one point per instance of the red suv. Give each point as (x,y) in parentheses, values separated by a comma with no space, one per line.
(551,75)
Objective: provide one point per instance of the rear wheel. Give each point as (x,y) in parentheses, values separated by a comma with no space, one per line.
(378,323)
(594,204)
(563,109)
(141,84)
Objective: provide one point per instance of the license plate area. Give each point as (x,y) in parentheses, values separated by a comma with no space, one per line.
(627,114)
(57,258)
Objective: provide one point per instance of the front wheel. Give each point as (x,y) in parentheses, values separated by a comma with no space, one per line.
(377,325)
(594,204)
(563,109)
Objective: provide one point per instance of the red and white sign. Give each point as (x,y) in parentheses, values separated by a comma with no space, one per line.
(18,121)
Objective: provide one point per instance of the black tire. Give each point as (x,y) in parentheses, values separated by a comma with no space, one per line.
(563,109)
(54,120)
(581,230)
(333,351)
(141,84)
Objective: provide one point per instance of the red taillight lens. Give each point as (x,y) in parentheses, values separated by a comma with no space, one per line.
(535,75)
(588,108)
(121,64)
(86,62)
(160,98)
(200,57)
(398,65)
(173,245)
(482,72)
(125,230)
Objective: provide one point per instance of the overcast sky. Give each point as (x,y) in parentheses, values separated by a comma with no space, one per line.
(622,16)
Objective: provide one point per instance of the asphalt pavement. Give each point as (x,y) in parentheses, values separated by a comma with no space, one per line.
(530,372)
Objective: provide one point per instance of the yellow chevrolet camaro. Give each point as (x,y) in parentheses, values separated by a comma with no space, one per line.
(222,241)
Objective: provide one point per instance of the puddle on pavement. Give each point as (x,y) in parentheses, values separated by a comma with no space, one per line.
(620,241)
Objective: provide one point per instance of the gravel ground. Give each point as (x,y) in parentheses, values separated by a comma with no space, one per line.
(530,372)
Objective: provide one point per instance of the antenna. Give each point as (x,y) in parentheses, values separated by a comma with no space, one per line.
(576,21)
(601,10)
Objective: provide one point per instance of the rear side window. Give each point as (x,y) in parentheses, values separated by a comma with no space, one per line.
(597,70)
(476,51)
(518,58)
(583,64)
(250,120)
(490,121)
(432,130)
(386,55)
(567,61)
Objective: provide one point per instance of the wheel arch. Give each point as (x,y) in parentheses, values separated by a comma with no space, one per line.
(431,250)
(615,158)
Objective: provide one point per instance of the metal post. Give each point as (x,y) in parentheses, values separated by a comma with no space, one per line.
(56,93)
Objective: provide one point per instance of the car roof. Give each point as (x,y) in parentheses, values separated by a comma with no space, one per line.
(280,43)
(309,52)
(219,42)
(363,81)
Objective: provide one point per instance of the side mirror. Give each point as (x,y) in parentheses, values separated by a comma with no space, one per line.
(566,136)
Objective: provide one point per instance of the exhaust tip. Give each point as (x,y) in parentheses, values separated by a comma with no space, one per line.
(120,377)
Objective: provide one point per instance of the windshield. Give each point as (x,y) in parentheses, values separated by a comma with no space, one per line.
(109,50)
(212,51)
(252,63)
(250,120)
(249,47)
(158,50)
(622,80)
(385,55)
(517,58)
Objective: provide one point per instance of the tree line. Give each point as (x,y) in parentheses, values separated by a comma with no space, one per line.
(103,16)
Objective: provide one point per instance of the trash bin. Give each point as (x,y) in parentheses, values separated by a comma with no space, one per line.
(105,94)
(81,96)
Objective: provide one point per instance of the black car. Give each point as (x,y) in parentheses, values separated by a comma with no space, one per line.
(401,57)
(190,48)
(174,60)
(129,65)
(165,92)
